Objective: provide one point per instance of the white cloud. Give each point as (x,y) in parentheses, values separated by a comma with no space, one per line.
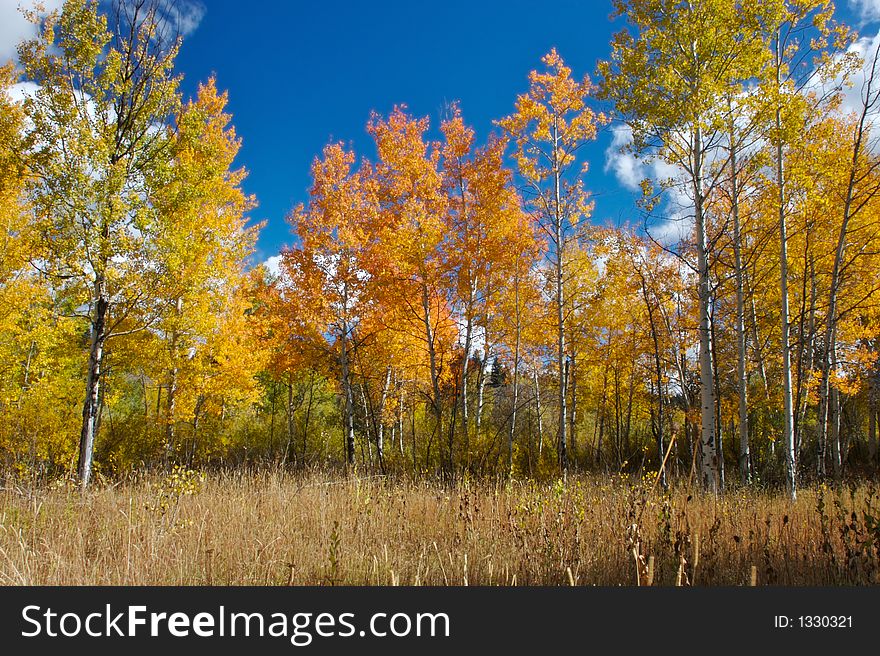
(273,265)
(672,230)
(14,28)
(629,169)
(854,89)
(619,159)
(601,264)
(21,90)
(676,216)
(677,207)
(865,47)
(184,16)
(867,10)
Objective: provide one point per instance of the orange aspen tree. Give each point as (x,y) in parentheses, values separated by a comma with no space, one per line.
(408,259)
(328,264)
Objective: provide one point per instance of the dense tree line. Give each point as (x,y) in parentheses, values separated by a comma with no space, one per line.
(449,308)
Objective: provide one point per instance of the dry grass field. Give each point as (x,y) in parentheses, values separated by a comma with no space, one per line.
(293,529)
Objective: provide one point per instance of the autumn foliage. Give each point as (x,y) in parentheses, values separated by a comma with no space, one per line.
(450,308)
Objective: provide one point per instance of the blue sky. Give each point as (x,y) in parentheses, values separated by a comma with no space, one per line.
(302,73)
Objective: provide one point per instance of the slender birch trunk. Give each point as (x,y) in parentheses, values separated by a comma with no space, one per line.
(463,376)
(290,420)
(512,430)
(380,419)
(834,415)
(171,402)
(869,98)
(758,352)
(562,441)
(436,409)
(400,416)
(602,404)
(657,425)
(92,406)
(871,404)
(788,419)
(348,398)
(741,374)
(365,409)
(481,383)
(308,417)
(538,419)
(872,433)
(719,427)
(708,447)
(571,379)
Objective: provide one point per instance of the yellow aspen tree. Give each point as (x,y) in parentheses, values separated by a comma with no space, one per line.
(36,367)
(104,87)
(203,240)
(796,32)
(669,74)
(551,123)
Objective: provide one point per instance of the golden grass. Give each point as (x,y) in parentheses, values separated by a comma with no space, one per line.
(275,528)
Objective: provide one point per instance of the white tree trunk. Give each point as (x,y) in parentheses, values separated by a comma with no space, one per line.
(560,310)
(92,404)
(708,447)
(512,432)
(741,375)
(788,439)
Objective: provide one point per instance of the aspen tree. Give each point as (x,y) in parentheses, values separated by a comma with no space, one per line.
(104,87)
(668,75)
(551,123)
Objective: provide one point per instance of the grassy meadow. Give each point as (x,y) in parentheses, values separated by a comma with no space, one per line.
(279,528)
